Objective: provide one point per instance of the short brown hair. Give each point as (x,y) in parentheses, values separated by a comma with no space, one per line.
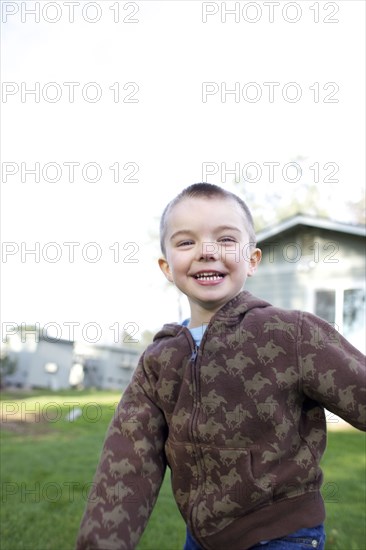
(205,190)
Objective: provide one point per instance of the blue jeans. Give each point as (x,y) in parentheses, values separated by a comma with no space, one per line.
(309,538)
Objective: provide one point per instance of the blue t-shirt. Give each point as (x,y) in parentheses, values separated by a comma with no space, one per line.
(197,332)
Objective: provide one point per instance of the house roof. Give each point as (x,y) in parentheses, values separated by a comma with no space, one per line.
(119,349)
(55,340)
(309,221)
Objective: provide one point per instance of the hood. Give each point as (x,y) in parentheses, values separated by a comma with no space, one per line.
(230,313)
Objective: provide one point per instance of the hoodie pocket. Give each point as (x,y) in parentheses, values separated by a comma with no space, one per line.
(229,485)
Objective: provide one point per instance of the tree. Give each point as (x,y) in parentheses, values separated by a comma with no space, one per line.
(283,197)
(138,341)
(7,366)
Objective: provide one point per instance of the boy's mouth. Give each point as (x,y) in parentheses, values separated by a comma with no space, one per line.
(209,276)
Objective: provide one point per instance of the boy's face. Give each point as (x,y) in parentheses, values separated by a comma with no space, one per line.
(208,256)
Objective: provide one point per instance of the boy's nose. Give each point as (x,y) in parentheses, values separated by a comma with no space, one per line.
(209,251)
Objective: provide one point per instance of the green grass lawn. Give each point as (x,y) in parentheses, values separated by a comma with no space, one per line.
(47,465)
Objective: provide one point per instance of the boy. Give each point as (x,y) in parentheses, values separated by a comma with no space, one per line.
(232,402)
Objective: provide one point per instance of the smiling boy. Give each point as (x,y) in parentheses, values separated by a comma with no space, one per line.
(232,401)
(209,251)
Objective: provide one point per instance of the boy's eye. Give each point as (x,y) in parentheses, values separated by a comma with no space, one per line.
(227,240)
(185,243)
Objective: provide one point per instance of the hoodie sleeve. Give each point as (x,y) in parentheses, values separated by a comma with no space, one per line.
(129,474)
(333,371)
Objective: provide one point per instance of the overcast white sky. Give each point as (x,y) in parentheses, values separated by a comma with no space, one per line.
(160,135)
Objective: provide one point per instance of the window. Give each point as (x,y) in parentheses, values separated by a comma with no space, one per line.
(345,310)
(51,368)
(353,311)
(325,305)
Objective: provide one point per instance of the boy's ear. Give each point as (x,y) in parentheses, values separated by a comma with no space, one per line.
(254,261)
(164,266)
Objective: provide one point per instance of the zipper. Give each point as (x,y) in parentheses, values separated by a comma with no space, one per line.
(196,409)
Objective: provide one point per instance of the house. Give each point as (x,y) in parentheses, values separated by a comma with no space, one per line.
(106,367)
(41,362)
(317,265)
(53,363)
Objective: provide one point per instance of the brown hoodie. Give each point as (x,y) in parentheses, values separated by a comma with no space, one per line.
(239,421)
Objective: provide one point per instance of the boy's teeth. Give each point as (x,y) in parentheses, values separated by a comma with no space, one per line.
(209,276)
